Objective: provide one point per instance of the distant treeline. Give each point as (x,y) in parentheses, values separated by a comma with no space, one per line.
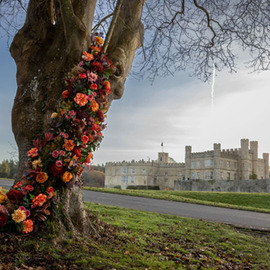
(94,176)
(8,168)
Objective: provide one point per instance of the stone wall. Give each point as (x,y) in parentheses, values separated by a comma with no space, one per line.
(260,185)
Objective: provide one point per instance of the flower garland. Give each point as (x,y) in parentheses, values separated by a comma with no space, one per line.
(74,133)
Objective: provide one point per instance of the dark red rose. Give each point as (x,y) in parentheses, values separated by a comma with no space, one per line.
(56,171)
(96,66)
(100,116)
(15,196)
(76,151)
(3,219)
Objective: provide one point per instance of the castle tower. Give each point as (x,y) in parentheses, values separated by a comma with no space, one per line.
(266,165)
(217,151)
(254,152)
(244,173)
(188,162)
(163,157)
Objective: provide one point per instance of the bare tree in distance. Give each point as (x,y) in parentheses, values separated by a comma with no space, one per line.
(179,35)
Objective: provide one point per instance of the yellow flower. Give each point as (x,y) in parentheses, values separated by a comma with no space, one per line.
(36,163)
(54,115)
(66,177)
(18,216)
(3,198)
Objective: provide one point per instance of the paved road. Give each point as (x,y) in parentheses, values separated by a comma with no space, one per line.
(217,214)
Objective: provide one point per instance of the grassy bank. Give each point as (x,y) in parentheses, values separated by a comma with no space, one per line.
(246,201)
(130,239)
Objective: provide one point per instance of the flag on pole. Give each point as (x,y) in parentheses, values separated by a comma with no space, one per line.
(162,144)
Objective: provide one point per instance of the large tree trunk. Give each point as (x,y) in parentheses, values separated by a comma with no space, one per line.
(45,50)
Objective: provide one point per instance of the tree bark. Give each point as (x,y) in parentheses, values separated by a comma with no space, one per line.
(44,54)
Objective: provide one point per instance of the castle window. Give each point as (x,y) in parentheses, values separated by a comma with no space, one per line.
(143,171)
(208,175)
(192,164)
(116,171)
(132,179)
(155,181)
(115,180)
(221,164)
(228,164)
(124,170)
(192,175)
(235,176)
(235,165)
(198,175)
(166,180)
(124,179)
(198,164)
(133,170)
(166,173)
(228,176)
(151,171)
(221,175)
(208,162)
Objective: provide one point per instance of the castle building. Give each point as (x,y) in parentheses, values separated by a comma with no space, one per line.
(216,164)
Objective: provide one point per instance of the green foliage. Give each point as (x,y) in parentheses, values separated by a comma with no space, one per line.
(8,168)
(253,176)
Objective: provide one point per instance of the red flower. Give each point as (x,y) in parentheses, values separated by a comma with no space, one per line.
(82,75)
(85,139)
(15,196)
(29,188)
(3,219)
(19,184)
(93,86)
(100,116)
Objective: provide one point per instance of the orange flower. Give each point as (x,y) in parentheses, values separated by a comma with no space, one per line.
(68,145)
(39,200)
(107,87)
(88,159)
(18,216)
(87,56)
(98,40)
(81,99)
(27,226)
(41,177)
(67,176)
(32,152)
(65,94)
(94,106)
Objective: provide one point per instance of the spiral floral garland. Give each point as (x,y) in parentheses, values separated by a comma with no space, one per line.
(66,148)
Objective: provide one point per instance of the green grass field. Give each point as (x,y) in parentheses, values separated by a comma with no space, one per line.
(245,201)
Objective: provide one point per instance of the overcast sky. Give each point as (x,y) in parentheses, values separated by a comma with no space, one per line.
(174,110)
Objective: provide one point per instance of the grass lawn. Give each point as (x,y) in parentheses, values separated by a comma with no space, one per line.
(131,239)
(246,201)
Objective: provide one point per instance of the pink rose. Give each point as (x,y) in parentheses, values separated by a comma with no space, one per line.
(58,163)
(62,153)
(55,154)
